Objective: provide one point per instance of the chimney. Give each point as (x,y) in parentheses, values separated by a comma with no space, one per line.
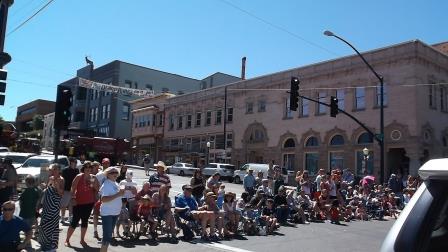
(243,68)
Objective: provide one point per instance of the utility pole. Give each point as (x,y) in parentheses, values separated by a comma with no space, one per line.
(5,58)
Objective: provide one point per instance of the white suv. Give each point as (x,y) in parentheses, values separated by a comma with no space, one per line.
(423,223)
(34,165)
(224,170)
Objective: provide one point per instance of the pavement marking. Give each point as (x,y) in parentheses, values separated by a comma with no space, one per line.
(223,247)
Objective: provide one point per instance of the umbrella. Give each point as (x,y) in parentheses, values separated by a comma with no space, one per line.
(367,180)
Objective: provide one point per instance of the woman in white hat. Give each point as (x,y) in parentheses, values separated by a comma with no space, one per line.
(111,195)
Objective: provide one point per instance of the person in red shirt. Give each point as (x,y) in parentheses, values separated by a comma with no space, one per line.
(84,190)
(145,214)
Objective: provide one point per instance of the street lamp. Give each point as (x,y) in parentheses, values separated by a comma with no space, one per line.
(365,152)
(208,153)
(380,139)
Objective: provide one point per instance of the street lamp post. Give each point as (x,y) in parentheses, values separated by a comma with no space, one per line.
(208,153)
(380,78)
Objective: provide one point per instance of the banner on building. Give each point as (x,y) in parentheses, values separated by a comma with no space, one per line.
(114,89)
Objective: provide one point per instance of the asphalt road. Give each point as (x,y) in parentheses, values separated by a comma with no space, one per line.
(353,236)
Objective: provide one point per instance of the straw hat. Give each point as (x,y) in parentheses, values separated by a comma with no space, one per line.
(229,194)
(160,164)
(112,168)
(146,197)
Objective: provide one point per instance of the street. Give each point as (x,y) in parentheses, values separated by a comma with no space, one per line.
(353,236)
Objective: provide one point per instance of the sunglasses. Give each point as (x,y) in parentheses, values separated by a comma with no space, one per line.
(8,209)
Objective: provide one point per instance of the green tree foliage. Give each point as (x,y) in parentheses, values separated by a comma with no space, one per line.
(38,122)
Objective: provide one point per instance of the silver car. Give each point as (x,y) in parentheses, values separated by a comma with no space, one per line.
(18,158)
(182,169)
(423,224)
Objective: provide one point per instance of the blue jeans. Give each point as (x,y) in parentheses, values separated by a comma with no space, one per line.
(109,222)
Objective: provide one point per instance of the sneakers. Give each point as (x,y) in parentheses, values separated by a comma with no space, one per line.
(205,238)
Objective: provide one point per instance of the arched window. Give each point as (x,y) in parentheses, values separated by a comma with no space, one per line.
(337,140)
(289,143)
(365,138)
(311,142)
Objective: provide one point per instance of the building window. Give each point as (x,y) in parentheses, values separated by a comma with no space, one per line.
(312,142)
(218,116)
(149,86)
(443,102)
(304,108)
(312,163)
(336,160)
(91,114)
(180,120)
(229,140)
(432,96)
(127,84)
(360,98)
(249,107)
(96,114)
(141,121)
(378,95)
(198,119)
(289,161)
(208,118)
(160,120)
(103,112)
(340,94)
(365,138)
(322,97)
(364,166)
(125,112)
(136,121)
(171,121)
(189,118)
(165,90)
(288,112)
(148,120)
(337,140)
(229,115)
(289,143)
(107,111)
(261,106)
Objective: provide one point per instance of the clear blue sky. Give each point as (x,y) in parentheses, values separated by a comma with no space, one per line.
(196,38)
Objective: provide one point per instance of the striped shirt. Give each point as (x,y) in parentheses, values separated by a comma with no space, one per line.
(156,180)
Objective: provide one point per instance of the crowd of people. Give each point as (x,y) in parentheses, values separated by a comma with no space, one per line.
(204,208)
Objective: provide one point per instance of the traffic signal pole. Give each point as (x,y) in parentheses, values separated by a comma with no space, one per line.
(347,114)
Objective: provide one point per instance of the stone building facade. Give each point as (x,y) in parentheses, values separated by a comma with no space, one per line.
(261,128)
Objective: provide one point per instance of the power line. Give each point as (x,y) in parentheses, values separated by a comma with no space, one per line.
(21,8)
(28,19)
(279,27)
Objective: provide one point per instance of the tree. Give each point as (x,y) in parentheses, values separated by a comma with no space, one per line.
(38,122)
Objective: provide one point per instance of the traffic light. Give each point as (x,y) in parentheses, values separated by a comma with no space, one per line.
(294,94)
(333,106)
(62,111)
(3,75)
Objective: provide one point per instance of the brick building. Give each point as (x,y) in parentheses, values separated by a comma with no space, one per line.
(261,128)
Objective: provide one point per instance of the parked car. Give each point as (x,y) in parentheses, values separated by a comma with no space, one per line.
(4,149)
(224,170)
(423,223)
(239,174)
(18,158)
(182,169)
(34,165)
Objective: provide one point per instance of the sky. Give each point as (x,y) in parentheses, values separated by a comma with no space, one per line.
(196,38)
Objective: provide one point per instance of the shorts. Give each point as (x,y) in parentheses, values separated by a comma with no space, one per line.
(96,208)
(66,198)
